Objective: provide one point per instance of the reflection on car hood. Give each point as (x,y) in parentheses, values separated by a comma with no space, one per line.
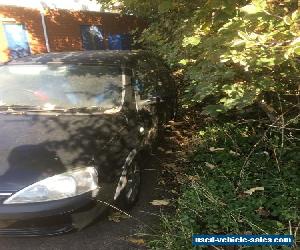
(33,147)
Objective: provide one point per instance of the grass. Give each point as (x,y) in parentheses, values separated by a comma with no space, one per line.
(245,180)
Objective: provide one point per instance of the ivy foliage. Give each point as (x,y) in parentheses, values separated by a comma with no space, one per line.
(232,50)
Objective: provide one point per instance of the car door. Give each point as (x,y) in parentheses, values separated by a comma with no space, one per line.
(145,79)
(166,90)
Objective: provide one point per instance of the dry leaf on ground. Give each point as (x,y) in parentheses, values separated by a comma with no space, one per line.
(139,242)
(252,190)
(209,165)
(262,212)
(213,149)
(160,202)
(117,217)
(193,178)
(171,166)
(234,153)
(176,123)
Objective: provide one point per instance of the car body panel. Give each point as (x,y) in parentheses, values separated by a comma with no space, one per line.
(37,145)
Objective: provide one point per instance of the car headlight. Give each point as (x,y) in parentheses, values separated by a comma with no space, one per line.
(58,187)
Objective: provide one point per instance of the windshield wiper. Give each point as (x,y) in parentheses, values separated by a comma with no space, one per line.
(28,108)
(16,107)
(83,109)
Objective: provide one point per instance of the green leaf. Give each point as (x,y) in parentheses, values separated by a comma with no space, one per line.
(295,15)
(297,50)
(238,42)
(263,60)
(213,110)
(243,35)
(165,6)
(287,20)
(296,42)
(192,40)
(183,61)
(251,9)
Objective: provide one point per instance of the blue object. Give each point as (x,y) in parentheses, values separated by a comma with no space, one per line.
(119,42)
(115,42)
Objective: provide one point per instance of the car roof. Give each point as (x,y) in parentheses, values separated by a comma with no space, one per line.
(82,57)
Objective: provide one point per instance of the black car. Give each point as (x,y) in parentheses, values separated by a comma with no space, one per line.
(73,127)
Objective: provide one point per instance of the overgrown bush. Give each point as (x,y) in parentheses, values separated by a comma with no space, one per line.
(245,181)
(233,56)
(234,51)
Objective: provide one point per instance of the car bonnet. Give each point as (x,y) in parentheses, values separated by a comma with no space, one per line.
(33,147)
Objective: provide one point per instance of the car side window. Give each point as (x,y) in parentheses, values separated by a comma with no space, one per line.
(146,78)
(165,83)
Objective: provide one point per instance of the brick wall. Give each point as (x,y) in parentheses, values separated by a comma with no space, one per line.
(63,27)
(31,19)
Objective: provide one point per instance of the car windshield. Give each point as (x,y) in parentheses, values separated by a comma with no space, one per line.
(64,86)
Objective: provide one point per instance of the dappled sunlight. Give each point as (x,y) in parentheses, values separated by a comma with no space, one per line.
(32,21)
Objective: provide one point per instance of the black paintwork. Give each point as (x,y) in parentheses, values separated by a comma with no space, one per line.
(34,146)
(83,57)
